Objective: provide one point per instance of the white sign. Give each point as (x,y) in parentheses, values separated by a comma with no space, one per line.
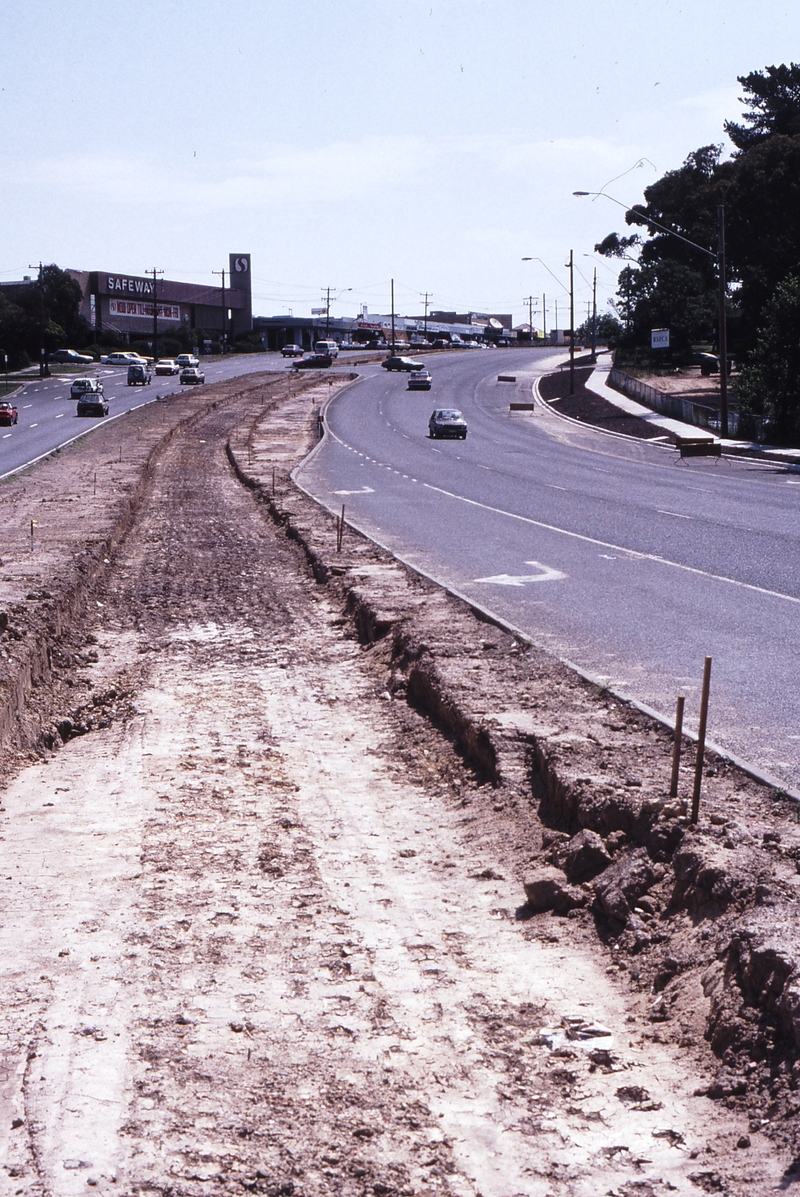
(659,338)
(132,307)
(318,311)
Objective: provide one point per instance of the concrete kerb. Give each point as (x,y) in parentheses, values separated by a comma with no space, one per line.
(746,451)
(488,616)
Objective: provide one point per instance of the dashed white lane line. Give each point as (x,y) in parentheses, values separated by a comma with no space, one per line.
(60,416)
(6,435)
(604,544)
(34,425)
(677,515)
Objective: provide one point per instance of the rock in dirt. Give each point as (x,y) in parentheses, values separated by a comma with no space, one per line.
(624,882)
(586,856)
(547,888)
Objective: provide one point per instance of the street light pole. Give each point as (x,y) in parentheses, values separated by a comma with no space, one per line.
(392,315)
(571,328)
(594,316)
(722,335)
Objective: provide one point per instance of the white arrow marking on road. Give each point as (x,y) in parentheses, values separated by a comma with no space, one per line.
(546,574)
(365,490)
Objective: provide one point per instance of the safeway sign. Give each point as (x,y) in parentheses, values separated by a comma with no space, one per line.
(659,338)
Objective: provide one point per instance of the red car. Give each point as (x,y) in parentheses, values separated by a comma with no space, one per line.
(8,413)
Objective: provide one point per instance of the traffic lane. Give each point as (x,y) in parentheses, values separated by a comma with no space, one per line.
(48,417)
(637,623)
(721,524)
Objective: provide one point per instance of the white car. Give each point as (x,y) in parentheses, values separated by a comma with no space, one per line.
(122,358)
(187,361)
(167,365)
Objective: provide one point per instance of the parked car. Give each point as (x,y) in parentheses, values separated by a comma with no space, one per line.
(419,380)
(92,402)
(402,363)
(167,365)
(139,374)
(292,351)
(187,361)
(447,421)
(85,386)
(8,413)
(315,361)
(71,357)
(192,375)
(441,343)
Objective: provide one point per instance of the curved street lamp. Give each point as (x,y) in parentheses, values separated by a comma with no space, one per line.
(719,256)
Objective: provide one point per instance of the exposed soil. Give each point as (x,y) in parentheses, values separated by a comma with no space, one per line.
(316,884)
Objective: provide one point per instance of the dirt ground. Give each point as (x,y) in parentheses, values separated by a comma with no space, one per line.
(316,884)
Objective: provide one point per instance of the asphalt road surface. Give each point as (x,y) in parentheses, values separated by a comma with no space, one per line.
(47,414)
(608,552)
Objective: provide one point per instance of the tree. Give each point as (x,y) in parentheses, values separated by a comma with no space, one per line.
(769,386)
(773,97)
(609,330)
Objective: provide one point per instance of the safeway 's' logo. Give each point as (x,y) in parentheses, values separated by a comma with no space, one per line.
(241,265)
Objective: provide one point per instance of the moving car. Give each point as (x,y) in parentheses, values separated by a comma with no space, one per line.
(292,351)
(139,374)
(8,413)
(71,357)
(447,421)
(121,358)
(167,365)
(93,402)
(329,347)
(316,361)
(187,361)
(193,375)
(419,380)
(402,363)
(85,386)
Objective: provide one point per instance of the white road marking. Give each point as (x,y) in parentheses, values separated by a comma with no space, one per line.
(676,514)
(60,416)
(34,425)
(365,490)
(6,435)
(604,544)
(546,574)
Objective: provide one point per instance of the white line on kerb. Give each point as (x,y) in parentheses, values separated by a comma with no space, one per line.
(604,544)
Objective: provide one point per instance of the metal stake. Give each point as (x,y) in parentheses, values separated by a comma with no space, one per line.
(701,740)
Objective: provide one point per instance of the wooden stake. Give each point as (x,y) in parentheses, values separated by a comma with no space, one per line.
(701,740)
(340,531)
(676,747)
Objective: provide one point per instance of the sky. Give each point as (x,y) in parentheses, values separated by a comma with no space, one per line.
(344,143)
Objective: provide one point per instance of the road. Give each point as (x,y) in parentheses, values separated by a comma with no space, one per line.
(603,550)
(47,416)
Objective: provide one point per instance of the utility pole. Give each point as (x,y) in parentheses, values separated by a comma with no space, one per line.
(594,316)
(224,312)
(723,330)
(544,316)
(530,318)
(155,274)
(571,328)
(327,311)
(425,323)
(392,315)
(44,369)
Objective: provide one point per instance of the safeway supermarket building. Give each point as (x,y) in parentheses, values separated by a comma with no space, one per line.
(123,303)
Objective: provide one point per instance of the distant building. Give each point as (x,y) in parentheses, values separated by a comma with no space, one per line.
(123,303)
